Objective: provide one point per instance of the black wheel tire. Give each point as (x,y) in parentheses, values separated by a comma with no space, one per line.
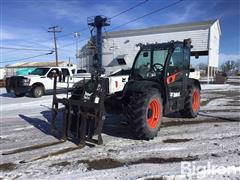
(192,103)
(37,91)
(142,118)
(19,94)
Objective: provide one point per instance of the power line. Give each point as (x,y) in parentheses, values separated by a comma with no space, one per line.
(28,57)
(72,33)
(20,45)
(66,45)
(23,49)
(112,17)
(118,14)
(148,14)
(70,44)
(68,50)
(133,7)
(28,41)
(37,43)
(84,29)
(31,46)
(133,20)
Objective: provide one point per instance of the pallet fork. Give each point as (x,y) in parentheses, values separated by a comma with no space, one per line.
(84,113)
(82,117)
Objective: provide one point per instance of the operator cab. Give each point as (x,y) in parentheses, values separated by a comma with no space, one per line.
(149,63)
(155,61)
(167,64)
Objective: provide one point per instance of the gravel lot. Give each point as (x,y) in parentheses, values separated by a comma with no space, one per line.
(213,138)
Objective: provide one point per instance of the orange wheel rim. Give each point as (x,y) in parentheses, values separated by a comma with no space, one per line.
(195,101)
(153,113)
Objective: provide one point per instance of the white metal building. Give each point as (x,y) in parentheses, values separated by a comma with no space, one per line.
(119,47)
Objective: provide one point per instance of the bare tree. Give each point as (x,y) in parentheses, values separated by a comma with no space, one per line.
(202,66)
(230,67)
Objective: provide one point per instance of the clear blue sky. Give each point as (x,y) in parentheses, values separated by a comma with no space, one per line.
(24,23)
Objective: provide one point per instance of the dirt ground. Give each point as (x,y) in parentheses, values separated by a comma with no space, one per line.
(213,138)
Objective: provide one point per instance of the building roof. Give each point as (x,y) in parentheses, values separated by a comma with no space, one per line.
(165,29)
(34,64)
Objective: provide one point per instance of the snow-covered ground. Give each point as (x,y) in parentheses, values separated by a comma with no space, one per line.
(212,140)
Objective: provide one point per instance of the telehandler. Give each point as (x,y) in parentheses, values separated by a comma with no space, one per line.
(158,85)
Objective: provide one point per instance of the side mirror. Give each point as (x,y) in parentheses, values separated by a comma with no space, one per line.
(196,56)
(52,74)
(192,70)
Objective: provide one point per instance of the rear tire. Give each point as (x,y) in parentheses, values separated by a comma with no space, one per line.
(144,112)
(192,103)
(37,91)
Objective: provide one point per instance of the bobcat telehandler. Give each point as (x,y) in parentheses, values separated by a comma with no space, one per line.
(159,84)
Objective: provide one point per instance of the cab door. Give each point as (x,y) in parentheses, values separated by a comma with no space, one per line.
(176,78)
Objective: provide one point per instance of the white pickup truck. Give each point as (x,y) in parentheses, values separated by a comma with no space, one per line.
(40,81)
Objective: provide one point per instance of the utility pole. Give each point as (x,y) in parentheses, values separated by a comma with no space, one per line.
(54,30)
(77,35)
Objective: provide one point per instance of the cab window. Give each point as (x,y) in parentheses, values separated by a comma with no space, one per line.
(159,56)
(176,62)
(142,65)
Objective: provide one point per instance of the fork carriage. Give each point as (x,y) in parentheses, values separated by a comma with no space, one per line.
(83,112)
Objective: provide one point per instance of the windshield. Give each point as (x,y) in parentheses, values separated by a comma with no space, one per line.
(40,71)
(150,63)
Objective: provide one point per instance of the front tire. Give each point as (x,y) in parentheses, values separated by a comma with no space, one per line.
(37,91)
(144,112)
(192,103)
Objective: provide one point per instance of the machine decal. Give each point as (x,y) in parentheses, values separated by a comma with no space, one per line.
(174,94)
(172,78)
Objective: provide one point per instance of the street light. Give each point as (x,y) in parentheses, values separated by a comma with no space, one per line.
(77,35)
